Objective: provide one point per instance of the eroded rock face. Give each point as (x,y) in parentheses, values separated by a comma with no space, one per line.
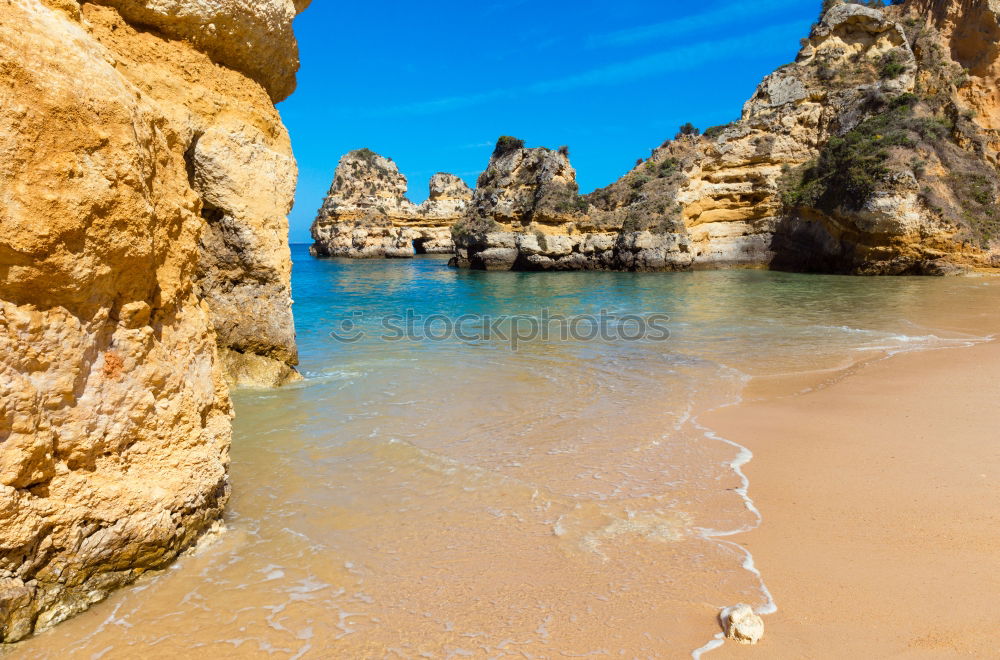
(448,199)
(366,213)
(120,148)
(239,164)
(246,181)
(883,93)
(969,35)
(253,37)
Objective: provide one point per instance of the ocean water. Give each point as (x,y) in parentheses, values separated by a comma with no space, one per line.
(463,497)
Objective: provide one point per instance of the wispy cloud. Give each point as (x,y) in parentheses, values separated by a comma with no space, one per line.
(768,40)
(735,12)
(476,145)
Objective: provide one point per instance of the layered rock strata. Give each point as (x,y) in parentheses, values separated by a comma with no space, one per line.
(366,213)
(873,153)
(145,181)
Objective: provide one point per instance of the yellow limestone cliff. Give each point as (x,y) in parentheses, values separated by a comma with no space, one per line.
(145,181)
(873,153)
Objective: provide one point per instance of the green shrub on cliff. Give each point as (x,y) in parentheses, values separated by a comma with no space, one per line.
(898,138)
(687,130)
(640,181)
(713,132)
(663,169)
(892,66)
(367,155)
(851,167)
(668,167)
(574,202)
(507,144)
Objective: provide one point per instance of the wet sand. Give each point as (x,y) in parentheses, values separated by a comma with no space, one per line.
(881,509)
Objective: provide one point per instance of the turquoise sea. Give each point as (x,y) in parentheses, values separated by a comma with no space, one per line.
(460,498)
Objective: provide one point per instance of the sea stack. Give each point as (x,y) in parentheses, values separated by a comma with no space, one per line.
(527,214)
(366,213)
(143,264)
(875,152)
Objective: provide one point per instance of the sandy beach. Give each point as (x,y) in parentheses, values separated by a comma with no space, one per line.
(881,515)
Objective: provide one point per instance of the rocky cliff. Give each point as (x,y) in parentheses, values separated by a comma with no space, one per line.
(873,153)
(366,213)
(145,181)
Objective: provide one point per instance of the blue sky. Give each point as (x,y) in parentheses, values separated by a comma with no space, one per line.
(432,85)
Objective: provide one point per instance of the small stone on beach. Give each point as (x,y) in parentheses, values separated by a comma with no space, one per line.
(742,624)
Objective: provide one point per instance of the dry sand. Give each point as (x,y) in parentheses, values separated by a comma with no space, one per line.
(881,531)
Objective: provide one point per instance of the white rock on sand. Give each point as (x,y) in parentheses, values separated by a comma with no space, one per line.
(742,624)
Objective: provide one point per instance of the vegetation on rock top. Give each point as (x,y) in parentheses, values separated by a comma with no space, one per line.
(850,168)
(507,144)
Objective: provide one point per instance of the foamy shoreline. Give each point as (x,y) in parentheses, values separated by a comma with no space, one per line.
(834,472)
(777,387)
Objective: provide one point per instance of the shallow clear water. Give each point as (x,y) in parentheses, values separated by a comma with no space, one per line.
(462,499)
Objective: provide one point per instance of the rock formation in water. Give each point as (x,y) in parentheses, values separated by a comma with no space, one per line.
(145,182)
(875,152)
(366,213)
